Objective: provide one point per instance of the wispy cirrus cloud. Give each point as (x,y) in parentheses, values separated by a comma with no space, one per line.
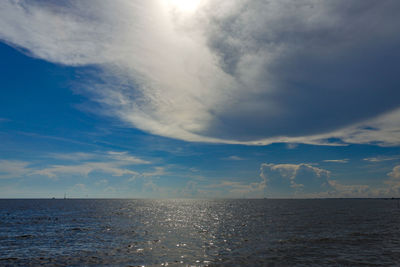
(158,171)
(14,168)
(252,72)
(382,158)
(336,160)
(113,168)
(115,163)
(123,157)
(79,164)
(234,157)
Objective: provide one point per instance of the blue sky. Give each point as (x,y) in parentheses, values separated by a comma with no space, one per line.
(201,100)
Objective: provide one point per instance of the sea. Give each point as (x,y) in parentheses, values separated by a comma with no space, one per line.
(182,232)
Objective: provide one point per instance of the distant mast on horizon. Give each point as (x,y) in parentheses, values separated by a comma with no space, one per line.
(65,195)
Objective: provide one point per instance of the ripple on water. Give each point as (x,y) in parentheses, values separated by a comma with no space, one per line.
(199,232)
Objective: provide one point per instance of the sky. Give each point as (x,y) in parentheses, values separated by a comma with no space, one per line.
(199,99)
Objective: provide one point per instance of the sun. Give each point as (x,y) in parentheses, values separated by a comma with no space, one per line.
(185,5)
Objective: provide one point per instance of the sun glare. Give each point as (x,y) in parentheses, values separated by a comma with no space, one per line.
(185,5)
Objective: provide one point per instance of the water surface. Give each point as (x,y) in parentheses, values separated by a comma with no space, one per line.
(261,232)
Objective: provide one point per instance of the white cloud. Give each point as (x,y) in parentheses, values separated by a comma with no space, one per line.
(294,181)
(305,181)
(395,173)
(235,71)
(113,168)
(125,158)
(276,180)
(289,179)
(78,163)
(158,171)
(13,169)
(109,162)
(342,190)
(336,160)
(102,182)
(380,159)
(122,157)
(233,157)
(78,156)
(291,145)
(393,183)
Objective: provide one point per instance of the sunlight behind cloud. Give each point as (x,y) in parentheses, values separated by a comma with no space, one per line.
(185,5)
(234,71)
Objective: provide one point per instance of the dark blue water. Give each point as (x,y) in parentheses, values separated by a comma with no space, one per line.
(200,232)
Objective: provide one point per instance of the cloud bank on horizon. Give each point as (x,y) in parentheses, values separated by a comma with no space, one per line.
(237,71)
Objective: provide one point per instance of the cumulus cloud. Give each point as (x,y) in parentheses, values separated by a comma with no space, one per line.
(341,190)
(393,182)
(395,173)
(305,181)
(237,71)
(292,179)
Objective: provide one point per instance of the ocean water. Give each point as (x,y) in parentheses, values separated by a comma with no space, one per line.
(265,232)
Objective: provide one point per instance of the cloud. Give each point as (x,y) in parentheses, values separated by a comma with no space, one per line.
(276,180)
(233,157)
(126,158)
(102,182)
(305,181)
(380,159)
(287,181)
(78,156)
(342,190)
(295,62)
(113,168)
(395,173)
(122,157)
(294,179)
(291,145)
(336,160)
(158,171)
(255,189)
(236,71)
(79,163)
(13,169)
(393,182)
(109,162)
